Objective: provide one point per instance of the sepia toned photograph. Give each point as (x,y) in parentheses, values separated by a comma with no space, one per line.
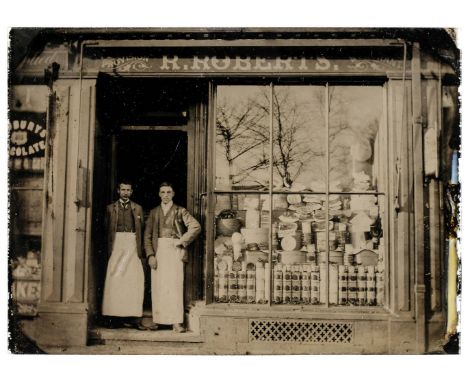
(233,191)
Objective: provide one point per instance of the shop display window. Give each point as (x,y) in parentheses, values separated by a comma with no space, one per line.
(300,195)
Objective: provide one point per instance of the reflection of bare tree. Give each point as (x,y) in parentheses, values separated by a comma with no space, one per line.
(240,130)
(293,146)
(299,139)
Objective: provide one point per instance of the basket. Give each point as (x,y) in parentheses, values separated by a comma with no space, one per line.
(226,227)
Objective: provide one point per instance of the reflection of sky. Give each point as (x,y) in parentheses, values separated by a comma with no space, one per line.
(355,107)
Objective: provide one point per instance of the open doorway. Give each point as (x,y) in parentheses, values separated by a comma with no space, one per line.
(149,157)
(145,133)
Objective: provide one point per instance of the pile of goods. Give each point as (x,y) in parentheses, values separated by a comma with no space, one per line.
(307,243)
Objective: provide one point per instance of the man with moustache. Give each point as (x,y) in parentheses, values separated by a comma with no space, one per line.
(124,285)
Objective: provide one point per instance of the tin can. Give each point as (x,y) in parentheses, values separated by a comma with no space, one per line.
(233,287)
(315,285)
(296,277)
(277,285)
(242,286)
(342,285)
(287,286)
(362,285)
(352,285)
(223,286)
(305,286)
(371,295)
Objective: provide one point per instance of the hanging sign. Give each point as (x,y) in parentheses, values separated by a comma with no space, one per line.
(27,137)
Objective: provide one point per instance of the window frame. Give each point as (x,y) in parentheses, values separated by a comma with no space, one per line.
(327,82)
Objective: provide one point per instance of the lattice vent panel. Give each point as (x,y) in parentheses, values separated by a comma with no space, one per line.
(300,331)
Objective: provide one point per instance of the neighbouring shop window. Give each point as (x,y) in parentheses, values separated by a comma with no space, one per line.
(27,138)
(300,195)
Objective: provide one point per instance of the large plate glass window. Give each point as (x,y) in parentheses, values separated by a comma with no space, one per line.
(300,181)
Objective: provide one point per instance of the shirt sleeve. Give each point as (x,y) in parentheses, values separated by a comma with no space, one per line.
(148,235)
(193,228)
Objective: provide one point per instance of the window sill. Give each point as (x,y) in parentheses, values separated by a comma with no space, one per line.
(298,311)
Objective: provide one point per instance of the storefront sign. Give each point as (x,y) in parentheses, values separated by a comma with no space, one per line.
(237,64)
(27,138)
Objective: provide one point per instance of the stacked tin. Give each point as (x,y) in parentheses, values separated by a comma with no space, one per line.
(232,286)
(305,286)
(314,285)
(296,277)
(242,285)
(278,284)
(361,285)
(287,284)
(370,284)
(352,285)
(250,285)
(342,285)
(223,285)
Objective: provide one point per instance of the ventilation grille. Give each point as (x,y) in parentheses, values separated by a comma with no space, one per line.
(300,331)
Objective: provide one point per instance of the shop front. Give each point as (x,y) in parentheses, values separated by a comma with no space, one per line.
(315,161)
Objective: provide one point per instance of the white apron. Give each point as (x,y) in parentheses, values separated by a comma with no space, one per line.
(125,280)
(167,284)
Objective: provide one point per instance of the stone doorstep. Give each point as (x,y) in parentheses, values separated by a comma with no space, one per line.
(125,334)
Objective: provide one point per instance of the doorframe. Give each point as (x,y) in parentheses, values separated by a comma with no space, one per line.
(190,277)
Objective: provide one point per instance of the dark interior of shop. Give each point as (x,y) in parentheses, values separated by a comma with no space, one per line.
(140,138)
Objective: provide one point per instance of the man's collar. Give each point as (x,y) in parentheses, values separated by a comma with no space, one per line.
(167,205)
(123,203)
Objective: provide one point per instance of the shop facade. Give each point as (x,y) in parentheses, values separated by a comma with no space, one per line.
(316,161)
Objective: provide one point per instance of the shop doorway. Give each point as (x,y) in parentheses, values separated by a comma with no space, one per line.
(148,156)
(145,132)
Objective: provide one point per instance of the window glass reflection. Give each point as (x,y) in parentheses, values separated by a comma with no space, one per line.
(299,138)
(355,131)
(242,137)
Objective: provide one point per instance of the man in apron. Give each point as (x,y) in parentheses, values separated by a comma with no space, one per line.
(169,230)
(125,280)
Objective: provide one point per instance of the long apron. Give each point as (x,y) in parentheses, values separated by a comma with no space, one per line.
(167,284)
(125,280)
